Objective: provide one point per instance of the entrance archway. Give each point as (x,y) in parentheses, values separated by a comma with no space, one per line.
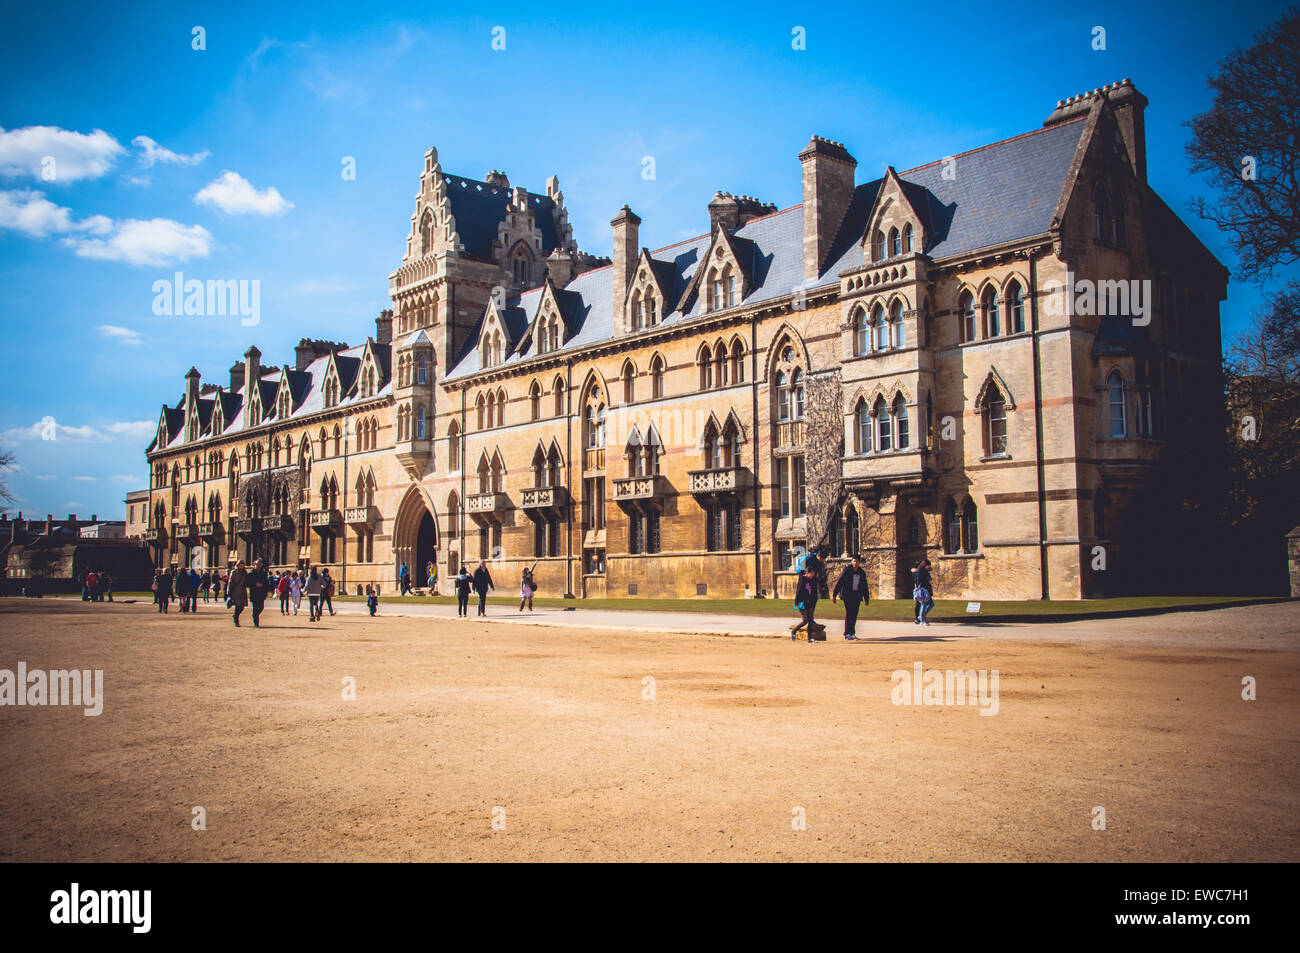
(415,537)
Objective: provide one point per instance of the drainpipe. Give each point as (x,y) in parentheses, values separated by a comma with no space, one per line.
(753,428)
(343,577)
(1038,427)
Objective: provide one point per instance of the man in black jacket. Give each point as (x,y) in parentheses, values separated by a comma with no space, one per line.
(852,588)
(257,586)
(482,583)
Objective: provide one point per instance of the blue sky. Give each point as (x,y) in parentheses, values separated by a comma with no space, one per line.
(226,163)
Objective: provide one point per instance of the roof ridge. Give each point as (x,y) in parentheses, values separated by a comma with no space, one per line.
(990,145)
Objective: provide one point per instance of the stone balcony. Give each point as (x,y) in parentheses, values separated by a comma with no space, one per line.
(155,536)
(281,525)
(212,532)
(187,533)
(789,437)
(544,498)
(643,489)
(414,454)
(480,504)
(361,515)
(720,481)
(897,468)
(249,527)
(327,522)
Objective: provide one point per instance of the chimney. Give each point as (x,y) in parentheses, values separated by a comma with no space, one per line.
(724,209)
(1129,107)
(94,518)
(236,376)
(72,517)
(827,192)
(192,378)
(49,524)
(626,242)
(497,178)
(559,267)
(384,327)
(252,373)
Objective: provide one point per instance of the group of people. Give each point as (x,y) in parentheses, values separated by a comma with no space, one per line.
(186,586)
(404,584)
(245,587)
(851,589)
(96,586)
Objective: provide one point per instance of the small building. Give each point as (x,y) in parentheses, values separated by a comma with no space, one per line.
(137,514)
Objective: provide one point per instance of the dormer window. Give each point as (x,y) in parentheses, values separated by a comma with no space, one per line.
(283,411)
(718,299)
(907,238)
(895,242)
(878,246)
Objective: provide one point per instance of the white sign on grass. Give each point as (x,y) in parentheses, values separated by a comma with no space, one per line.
(973,607)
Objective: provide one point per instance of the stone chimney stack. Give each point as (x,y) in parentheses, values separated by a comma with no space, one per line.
(191,396)
(236,376)
(49,524)
(1129,107)
(724,209)
(559,267)
(627,236)
(252,373)
(384,327)
(827,191)
(496,177)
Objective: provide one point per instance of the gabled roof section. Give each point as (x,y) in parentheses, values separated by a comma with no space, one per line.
(739,251)
(479,207)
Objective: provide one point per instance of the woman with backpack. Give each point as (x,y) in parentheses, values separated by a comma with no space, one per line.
(922,593)
(526,588)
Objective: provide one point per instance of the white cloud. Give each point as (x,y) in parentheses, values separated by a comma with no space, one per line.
(31,213)
(120,334)
(158,241)
(128,478)
(76,155)
(235,195)
(135,429)
(151,152)
(141,180)
(85,479)
(72,505)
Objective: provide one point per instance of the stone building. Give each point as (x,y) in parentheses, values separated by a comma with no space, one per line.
(894,368)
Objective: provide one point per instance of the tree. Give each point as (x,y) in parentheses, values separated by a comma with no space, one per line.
(1247,146)
(7,463)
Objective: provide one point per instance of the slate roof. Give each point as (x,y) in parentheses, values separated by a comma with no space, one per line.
(479,208)
(995,194)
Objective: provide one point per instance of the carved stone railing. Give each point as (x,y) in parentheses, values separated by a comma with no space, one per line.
(213,532)
(629,489)
(249,527)
(360,515)
(327,522)
(543,497)
(721,480)
(486,502)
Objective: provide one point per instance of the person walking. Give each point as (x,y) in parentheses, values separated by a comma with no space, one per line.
(217,580)
(482,583)
(326,592)
(85,585)
(257,589)
(237,590)
(282,591)
(404,580)
(181,587)
(923,593)
(805,600)
(463,585)
(195,581)
(295,590)
(372,600)
(106,584)
(314,585)
(205,585)
(157,589)
(526,588)
(852,588)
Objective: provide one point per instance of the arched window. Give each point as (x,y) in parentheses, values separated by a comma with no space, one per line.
(338,443)
(453,446)
(704,363)
(453,516)
(970,536)
(880,328)
(951,528)
(484,475)
(878,246)
(557,390)
(422,369)
(992,325)
(1102,222)
(539,468)
(1015,309)
(638,320)
(535,401)
(737,362)
(629,383)
(421,424)
(995,423)
(501,408)
(907,237)
(901,423)
(861,332)
(480,407)
(884,426)
(862,427)
(720,364)
(1118,408)
(657,377)
(852,532)
(898,331)
(521,264)
(895,242)
(796,395)
(782,396)
(966,313)
(426,232)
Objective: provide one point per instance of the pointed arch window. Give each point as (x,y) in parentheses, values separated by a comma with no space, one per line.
(863,441)
(1118,405)
(884,426)
(951,528)
(861,332)
(453,446)
(629,383)
(966,314)
(970,537)
(907,237)
(995,423)
(421,423)
(721,366)
(895,242)
(992,323)
(422,369)
(901,426)
(704,362)
(558,393)
(878,246)
(535,401)
(880,330)
(897,330)
(1015,309)
(657,377)
(737,362)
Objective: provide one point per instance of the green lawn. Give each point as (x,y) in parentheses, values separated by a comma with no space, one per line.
(877,609)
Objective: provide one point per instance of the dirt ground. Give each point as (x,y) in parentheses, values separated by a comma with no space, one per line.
(546,730)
